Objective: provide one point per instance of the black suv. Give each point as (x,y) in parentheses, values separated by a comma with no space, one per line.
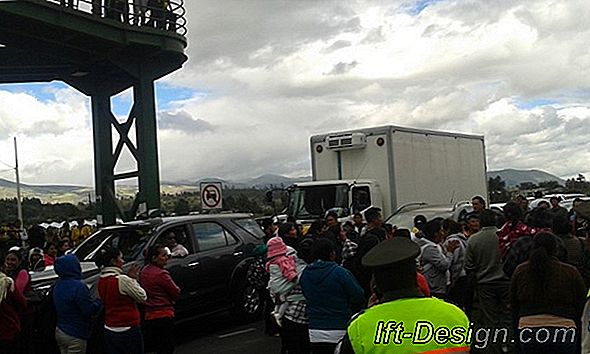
(212,276)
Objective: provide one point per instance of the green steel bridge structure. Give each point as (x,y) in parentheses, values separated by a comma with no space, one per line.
(102,49)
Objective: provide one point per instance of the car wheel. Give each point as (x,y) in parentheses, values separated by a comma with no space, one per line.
(247,302)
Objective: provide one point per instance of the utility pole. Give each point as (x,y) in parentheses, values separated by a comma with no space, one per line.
(19,207)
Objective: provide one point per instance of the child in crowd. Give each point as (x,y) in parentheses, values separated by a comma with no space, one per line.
(283,275)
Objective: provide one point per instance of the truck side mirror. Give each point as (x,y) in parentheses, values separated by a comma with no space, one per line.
(269,197)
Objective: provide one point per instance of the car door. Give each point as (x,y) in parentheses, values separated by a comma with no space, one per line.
(219,253)
(184,270)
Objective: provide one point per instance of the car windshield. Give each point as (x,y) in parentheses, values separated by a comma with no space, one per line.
(251,226)
(405,220)
(312,202)
(130,240)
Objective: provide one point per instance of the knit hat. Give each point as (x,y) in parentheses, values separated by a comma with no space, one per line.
(35,250)
(276,247)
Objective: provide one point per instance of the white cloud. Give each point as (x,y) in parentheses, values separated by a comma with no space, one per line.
(260,67)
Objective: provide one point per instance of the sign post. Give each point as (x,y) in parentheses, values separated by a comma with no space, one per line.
(211,195)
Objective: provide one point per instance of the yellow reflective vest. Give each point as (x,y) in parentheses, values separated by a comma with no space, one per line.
(411,325)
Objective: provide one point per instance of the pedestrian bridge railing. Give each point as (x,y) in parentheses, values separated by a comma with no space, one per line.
(165,15)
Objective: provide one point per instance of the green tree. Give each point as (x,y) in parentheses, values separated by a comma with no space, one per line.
(577,185)
(182,207)
(527,186)
(497,189)
(549,185)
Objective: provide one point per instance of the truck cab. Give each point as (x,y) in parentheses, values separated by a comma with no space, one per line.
(309,201)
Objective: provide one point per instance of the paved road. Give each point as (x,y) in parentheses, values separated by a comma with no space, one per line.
(220,334)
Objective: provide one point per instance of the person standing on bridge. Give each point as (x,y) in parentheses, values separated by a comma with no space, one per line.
(118,10)
(157,13)
(162,293)
(140,8)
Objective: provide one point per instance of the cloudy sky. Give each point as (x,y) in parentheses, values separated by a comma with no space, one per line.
(265,75)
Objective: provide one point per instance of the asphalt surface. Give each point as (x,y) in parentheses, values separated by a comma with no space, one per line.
(222,334)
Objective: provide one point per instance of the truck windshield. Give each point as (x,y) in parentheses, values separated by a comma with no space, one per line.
(312,202)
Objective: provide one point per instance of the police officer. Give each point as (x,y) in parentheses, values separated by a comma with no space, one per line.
(404,321)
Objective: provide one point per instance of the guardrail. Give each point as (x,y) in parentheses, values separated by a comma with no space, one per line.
(166,15)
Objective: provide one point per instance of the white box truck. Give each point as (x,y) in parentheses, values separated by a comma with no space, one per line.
(388,167)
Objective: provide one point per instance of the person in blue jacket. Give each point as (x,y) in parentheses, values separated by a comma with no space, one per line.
(74,306)
(332,294)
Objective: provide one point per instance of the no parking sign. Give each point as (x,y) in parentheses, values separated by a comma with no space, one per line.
(211,195)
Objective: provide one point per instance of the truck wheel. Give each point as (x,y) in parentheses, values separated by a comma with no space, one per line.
(247,302)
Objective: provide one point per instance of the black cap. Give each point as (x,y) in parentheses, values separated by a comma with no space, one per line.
(390,252)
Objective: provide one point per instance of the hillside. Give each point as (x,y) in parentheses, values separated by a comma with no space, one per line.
(514,177)
(77,194)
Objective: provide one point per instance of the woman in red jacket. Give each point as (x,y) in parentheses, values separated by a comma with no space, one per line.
(162,293)
(120,294)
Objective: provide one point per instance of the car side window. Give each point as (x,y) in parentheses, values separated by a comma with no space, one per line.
(176,240)
(211,236)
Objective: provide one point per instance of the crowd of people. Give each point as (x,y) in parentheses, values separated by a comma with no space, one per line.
(71,312)
(517,271)
(523,272)
(39,246)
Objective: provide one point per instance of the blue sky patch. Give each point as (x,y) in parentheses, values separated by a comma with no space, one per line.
(417,7)
(166,95)
(534,103)
(43,91)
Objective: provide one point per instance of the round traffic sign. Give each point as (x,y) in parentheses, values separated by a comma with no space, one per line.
(211,196)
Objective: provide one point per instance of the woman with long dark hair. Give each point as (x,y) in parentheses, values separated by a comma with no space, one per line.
(162,293)
(120,294)
(547,299)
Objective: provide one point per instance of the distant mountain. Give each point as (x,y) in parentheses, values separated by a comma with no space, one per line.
(262,182)
(78,194)
(265,181)
(515,177)
(47,193)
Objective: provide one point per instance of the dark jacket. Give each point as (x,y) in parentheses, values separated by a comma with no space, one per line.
(520,250)
(564,295)
(369,240)
(331,293)
(73,303)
